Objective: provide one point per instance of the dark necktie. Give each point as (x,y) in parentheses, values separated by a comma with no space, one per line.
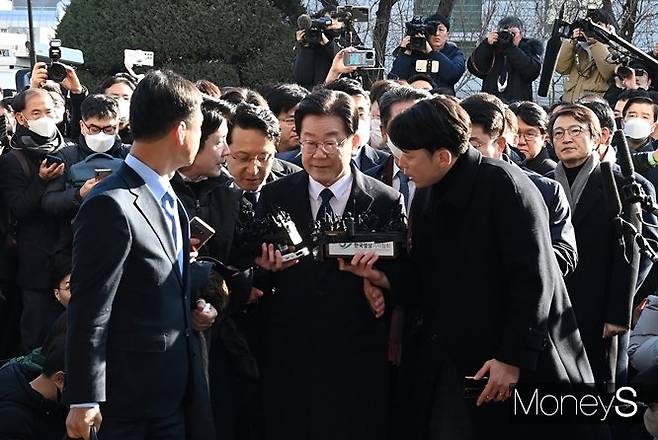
(325,208)
(404,188)
(251,197)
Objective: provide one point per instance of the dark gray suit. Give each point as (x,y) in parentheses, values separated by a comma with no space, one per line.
(129,344)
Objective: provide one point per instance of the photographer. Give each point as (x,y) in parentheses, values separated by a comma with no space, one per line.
(313,59)
(507,62)
(437,49)
(583,58)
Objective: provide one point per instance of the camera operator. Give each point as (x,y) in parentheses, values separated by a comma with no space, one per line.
(583,58)
(437,49)
(313,59)
(507,62)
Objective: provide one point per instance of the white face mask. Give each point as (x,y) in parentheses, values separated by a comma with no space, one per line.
(101,142)
(395,151)
(44,126)
(124,110)
(637,128)
(364,132)
(376,139)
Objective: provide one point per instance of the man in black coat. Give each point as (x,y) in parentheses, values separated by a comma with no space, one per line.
(603,286)
(531,142)
(507,62)
(24,176)
(481,262)
(324,369)
(130,344)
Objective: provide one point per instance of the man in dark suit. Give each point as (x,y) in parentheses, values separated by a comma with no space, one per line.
(324,369)
(531,142)
(363,155)
(253,135)
(481,262)
(130,344)
(603,285)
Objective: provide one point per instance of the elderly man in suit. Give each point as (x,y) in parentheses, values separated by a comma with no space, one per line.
(131,350)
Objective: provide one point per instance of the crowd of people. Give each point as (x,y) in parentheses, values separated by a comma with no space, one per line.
(141,296)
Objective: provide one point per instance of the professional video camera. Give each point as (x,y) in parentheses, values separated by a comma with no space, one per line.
(313,28)
(342,238)
(276,227)
(416,26)
(56,70)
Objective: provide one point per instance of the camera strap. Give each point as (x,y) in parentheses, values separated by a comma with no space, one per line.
(503,77)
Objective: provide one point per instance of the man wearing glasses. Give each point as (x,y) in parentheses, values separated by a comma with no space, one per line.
(531,143)
(254,132)
(440,59)
(599,287)
(324,360)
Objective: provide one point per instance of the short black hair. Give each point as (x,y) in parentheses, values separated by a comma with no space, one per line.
(601,15)
(380,87)
(54,351)
(213,117)
(531,114)
(486,114)
(208,88)
(627,94)
(395,95)
(283,97)
(438,19)
(238,95)
(604,113)
(20,100)
(161,100)
(346,85)
(252,117)
(99,106)
(581,114)
(510,22)
(119,78)
(438,122)
(422,77)
(326,102)
(60,265)
(641,100)
(7,104)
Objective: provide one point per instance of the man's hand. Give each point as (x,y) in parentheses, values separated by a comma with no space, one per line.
(203,316)
(406,41)
(338,66)
(502,377)
(492,38)
(375,298)
(428,47)
(51,172)
(255,294)
(71,82)
(638,311)
(610,330)
(272,260)
(299,35)
(39,75)
(88,186)
(79,421)
(362,265)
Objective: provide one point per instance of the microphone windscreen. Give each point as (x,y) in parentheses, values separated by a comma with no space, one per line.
(612,200)
(548,67)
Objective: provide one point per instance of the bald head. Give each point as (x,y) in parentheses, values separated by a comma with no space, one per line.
(33,104)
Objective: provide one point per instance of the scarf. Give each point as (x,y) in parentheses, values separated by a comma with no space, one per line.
(33,144)
(574,192)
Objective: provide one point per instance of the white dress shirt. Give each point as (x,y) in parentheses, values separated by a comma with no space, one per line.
(341,189)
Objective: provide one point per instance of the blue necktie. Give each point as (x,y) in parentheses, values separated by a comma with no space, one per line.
(325,207)
(404,188)
(169,206)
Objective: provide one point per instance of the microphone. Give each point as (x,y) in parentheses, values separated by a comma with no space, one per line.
(613,202)
(624,158)
(550,60)
(304,22)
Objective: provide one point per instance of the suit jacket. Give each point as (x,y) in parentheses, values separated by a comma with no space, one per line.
(483,272)
(292,156)
(281,168)
(369,157)
(541,164)
(129,342)
(324,363)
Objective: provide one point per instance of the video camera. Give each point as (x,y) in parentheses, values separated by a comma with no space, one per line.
(56,70)
(416,26)
(313,28)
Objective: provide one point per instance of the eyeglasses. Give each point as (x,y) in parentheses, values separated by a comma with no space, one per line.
(108,129)
(573,131)
(245,159)
(530,134)
(329,147)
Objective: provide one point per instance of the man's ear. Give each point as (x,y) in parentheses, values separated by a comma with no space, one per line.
(444,157)
(501,144)
(21,119)
(384,134)
(58,378)
(356,142)
(179,132)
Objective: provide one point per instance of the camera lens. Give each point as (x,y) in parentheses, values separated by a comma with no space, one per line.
(57,72)
(369,55)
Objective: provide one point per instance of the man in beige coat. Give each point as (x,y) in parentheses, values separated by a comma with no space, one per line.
(583,58)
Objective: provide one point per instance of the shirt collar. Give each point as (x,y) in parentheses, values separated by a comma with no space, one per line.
(338,188)
(157,184)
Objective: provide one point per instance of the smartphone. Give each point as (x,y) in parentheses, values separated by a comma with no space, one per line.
(360,58)
(294,255)
(473,388)
(200,230)
(425,66)
(50,160)
(101,173)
